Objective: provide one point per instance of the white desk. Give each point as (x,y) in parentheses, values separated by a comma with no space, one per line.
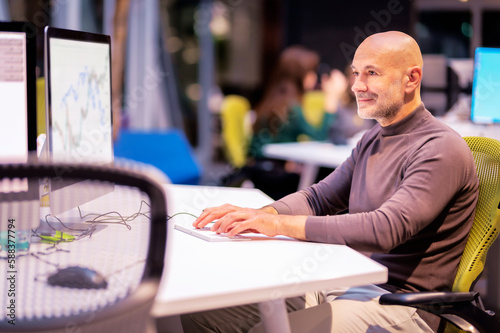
(311,154)
(202,275)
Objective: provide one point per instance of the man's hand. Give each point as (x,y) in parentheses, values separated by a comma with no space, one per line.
(233,220)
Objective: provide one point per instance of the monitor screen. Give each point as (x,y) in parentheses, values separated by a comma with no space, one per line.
(485,104)
(79,96)
(18,119)
(17,92)
(78,108)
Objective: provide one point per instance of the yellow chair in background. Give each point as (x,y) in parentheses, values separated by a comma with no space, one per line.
(40,105)
(313,107)
(462,306)
(236,129)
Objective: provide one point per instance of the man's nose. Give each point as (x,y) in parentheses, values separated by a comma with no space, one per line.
(358,85)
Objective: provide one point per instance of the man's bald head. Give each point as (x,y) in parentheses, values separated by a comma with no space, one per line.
(399,47)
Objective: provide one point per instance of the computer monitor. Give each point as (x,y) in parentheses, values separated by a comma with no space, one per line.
(18,119)
(78,109)
(485,104)
(17,92)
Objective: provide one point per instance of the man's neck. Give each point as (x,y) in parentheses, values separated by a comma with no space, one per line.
(405,110)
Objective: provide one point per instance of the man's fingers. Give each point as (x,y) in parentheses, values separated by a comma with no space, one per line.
(227,222)
(213,213)
(239,228)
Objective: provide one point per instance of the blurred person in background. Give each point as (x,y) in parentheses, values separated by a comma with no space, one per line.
(280,117)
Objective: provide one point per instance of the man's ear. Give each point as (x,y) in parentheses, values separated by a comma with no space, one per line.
(414,75)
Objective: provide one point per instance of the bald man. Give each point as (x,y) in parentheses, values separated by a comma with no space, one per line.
(410,188)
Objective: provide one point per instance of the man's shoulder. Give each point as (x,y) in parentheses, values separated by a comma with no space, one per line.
(449,137)
(435,138)
(436,128)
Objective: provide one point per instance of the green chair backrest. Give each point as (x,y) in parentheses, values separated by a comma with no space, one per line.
(484,231)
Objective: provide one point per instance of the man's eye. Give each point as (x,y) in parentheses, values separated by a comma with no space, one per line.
(355,73)
(372,73)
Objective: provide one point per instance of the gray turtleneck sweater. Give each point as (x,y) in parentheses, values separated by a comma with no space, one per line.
(410,190)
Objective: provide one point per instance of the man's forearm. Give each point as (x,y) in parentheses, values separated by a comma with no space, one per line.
(292,226)
(288,225)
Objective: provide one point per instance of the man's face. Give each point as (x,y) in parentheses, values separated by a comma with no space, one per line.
(378,84)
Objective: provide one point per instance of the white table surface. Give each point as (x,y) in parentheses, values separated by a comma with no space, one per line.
(201,275)
(312,154)
(466,128)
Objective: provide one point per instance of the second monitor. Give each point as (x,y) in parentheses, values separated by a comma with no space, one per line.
(78,109)
(486,89)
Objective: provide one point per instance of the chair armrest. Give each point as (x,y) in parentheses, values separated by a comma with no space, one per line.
(464,309)
(427,298)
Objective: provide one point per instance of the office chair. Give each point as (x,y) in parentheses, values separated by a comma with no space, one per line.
(236,129)
(167,150)
(462,306)
(122,237)
(313,105)
(40,106)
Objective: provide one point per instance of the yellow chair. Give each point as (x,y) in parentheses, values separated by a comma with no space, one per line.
(313,104)
(236,129)
(40,105)
(462,306)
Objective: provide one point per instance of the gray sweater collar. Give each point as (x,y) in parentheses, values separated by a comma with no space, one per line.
(407,124)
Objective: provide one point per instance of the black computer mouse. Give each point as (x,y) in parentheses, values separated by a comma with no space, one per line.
(78,277)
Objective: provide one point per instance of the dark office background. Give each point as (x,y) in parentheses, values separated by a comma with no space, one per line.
(336,30)
(249,35)
(332,28)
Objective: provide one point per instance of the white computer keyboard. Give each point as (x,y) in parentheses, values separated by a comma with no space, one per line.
(206,234)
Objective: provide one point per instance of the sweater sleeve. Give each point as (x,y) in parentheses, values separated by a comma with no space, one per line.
(432,179)
(329,197)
